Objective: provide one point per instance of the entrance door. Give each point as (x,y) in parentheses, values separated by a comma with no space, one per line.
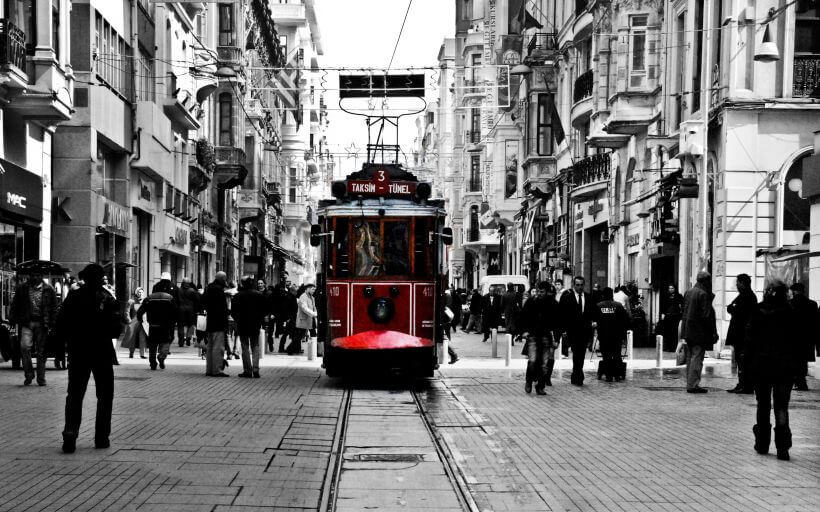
(596,257)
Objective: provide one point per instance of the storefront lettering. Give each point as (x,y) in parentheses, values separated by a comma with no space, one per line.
(16,200)
(115,217)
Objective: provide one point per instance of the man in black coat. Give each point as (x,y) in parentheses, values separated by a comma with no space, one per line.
(216,309)
(491,313)
(612,321)
(287,309)
(741,309)
(539,319)
(89,318)
(188,308)
(578,315)
(162,312)
(806,325)
(248,309)
(698,329)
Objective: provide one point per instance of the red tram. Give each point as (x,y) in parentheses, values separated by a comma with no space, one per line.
(382,273)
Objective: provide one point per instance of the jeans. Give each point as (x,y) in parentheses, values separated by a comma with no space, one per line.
(250,349)
(185,332)
(158,351)
(216,345)
(80,370)
(694,365)
(473,323)
(39,333)
(539,352)
(773,391)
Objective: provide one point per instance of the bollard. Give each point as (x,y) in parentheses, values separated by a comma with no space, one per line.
(442,351)
(630,336)
(263,343)
(658,350)
(508,350)
(494,341)
(311,352)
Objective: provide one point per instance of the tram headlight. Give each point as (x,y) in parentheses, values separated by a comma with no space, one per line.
(423,191)
(338,189)
(381,310)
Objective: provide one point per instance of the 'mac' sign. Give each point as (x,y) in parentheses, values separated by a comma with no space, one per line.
(380,185)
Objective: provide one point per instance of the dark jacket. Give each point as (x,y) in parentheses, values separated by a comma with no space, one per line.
(511,305)
(188,304)
(741,310)
(88,321)
(453,301)
(807,323)
(698,323)
(539,317)
(20,308)
(248,309)
(612,320)
(162,316)
(169,288)
(476,304)
(288,307)
(576,323)
(491,313)
(672,305)
(772,345)
(216,307)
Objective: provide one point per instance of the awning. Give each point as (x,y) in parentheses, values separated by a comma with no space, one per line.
(230,241)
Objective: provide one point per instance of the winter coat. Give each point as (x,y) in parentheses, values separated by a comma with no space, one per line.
(162,316)
(612,320)
(306,313)
(188,304)
(772,344)
(169,288)
(476,304)
(698,323)
(539,317)
(248,309)
(20,308)
(491,314)
(216,307)
(511,305)
(806,319)
(88,321)
(671,305)
(741,310)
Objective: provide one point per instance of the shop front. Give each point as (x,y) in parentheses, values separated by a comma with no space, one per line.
(176,250)
(111,243)
(591,238)
(206,256)
(21,214)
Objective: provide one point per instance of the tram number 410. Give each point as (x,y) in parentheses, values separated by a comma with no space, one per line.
(334,291)
(427,291)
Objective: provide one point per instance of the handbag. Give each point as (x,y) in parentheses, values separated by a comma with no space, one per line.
(201,322)
(680,354)
(26,337)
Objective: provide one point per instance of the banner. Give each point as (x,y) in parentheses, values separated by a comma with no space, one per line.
(510,167)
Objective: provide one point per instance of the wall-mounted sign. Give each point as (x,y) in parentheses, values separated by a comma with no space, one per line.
(209,245)
(21,192)
(116,218)
(248,198)
(180,236)
(633,240)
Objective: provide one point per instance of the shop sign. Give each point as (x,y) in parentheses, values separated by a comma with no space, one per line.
(180,236)
(595,208)
(21,192)
(248,198)
(633,240)
(116,218)
(145,193)
(209,245)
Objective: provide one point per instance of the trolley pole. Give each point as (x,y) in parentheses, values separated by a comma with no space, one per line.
(658,350)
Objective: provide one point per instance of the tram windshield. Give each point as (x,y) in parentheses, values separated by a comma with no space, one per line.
(382,248)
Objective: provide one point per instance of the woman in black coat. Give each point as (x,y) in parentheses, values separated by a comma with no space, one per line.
(671,311)
(773,350)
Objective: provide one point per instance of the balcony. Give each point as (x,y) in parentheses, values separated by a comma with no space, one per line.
(473,235)
(230,166)
(582,98)
(542,47)
(582,26)
(230,56)
(295,213)
(177,110)
(472,92)
(287,14)
(201,166)
(806,76)
(13,54)
(589,176)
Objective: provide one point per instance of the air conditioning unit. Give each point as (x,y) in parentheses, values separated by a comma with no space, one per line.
(692,138)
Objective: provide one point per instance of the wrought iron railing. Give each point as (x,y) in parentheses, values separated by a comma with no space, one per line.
(583,86)
(472,136)
(541,42)
(806,76)
(229,156)
(229,54)
(12,45)
(591,169)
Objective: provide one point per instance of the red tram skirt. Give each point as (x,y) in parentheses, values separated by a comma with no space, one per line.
(381,340)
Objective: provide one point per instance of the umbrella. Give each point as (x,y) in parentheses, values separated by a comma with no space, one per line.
(44,267)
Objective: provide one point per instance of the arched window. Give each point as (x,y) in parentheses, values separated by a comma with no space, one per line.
(795,211)
(225,119)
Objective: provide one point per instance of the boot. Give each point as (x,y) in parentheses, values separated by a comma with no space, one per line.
(782,441)
(548,373)
(763,436)
(69,442)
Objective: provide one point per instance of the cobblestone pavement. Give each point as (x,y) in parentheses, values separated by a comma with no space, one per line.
(185,442)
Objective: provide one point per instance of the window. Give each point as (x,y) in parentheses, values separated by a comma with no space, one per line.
(475,173)
(293,183)
(341,261)
(145,77)
(283,42)
(680,68)
(543,128)
(696,56)
(475,125)
(366,240)
(23,14)
(637,56)
(422,257)
(796,210)
(55,27)
(111,51)
(473,235)
(226,31)
(225,119)
(397,248)
(807,51)
(106,167)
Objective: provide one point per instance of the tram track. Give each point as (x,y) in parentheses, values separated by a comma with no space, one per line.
(344,458)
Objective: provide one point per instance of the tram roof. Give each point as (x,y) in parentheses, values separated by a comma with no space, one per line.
(369,207)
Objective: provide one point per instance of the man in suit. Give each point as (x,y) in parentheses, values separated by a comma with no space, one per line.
(491,316)
(577,311)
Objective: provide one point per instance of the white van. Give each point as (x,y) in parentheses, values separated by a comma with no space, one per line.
(488,283)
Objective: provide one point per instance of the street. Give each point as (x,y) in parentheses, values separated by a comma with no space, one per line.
(467,439)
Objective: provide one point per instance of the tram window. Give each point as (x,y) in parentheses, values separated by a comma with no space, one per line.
(396,248)
(366,236)
(341,261)
(422,257)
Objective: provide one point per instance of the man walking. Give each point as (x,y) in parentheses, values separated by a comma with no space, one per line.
(806,319)
(248,309)
(491,315)
(511,304)
(741,309)
(612,322)
(538,321)
(476,306)
(216,309)
(188,307)
(577,315)
(288,308)
(33,310)
(698,329)
(89,319)
(161,310)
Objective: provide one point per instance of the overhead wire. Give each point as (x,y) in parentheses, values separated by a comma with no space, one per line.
(401,31)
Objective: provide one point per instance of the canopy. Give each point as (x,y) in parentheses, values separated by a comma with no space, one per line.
(44,267)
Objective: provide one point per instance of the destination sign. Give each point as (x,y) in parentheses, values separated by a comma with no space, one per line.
(381,188)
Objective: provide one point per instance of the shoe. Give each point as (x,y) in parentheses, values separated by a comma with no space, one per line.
(27,381)
(220,375)
(188,343)
(453,360)
(736,389)
(153,367)
(102,444)
(697,390)
(130,356)
(256,375)
(763,437)
(609,378)
(281,351)
(528,387)
(143,357)
(162,365)
(69,442)
(749,391)
(244,375)
(56,365)
(800,387)
(116,363)
(41,382)
(540,391)
(782,454)
(782,441)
